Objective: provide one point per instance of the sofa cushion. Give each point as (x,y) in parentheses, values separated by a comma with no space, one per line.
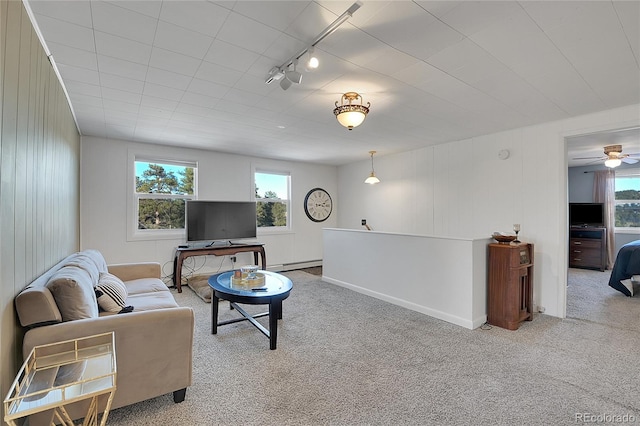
(152,301)
(111,293)
(72,289)
(146,285)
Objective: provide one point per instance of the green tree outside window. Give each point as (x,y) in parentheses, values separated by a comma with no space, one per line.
(161,191)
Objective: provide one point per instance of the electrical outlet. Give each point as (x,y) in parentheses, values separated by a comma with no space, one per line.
(364,222)
(233,259)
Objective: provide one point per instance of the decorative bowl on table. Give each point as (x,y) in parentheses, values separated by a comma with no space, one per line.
(503,238)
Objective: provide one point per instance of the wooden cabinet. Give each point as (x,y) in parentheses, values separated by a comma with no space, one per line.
(510,287)
(588,248)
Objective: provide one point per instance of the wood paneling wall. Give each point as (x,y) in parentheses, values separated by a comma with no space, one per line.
(39,173)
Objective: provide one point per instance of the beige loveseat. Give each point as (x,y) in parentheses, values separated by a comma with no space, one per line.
(153,336)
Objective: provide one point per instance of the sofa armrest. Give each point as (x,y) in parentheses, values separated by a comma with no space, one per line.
(154,349)
(133,271)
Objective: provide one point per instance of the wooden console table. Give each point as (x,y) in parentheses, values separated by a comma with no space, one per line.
(183,253)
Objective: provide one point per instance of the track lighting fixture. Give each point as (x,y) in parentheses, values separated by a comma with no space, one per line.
(312,62)
(279,73)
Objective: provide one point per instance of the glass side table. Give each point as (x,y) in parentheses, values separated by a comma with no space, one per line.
(58,374)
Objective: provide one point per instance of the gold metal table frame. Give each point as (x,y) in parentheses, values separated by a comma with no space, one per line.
(59,374)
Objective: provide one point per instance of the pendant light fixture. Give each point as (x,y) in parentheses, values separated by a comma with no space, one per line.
(351,115)
(372,179)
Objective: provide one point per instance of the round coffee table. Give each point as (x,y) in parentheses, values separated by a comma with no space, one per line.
(272,292)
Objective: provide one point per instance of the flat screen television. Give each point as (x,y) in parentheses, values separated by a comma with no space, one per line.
(220,221)
(586,214)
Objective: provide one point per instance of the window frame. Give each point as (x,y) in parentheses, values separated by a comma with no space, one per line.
(262,230)
(622,174)
(133,232)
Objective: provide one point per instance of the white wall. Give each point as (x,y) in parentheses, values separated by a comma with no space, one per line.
(461,189)
(104,192)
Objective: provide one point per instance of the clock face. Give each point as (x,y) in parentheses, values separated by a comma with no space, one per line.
(318,205)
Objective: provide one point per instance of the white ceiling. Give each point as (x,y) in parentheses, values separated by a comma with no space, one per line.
(192,73)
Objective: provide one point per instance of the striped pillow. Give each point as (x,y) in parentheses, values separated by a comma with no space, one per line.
(111,293)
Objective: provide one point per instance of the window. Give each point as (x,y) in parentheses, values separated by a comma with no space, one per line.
(272,200)
(161,190)
(628,199)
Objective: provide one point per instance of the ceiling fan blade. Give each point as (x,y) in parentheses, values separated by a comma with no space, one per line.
(629,160)
(590,158)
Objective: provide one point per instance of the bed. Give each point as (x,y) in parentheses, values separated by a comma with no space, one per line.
(627,265)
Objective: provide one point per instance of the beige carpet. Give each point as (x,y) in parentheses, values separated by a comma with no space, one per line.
(344,358)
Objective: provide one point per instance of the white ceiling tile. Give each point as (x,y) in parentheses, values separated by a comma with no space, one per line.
(146,112)
(121,95)
(77,87)
(248,34)
(198,99)
(127,69)
(629,14)
(203,17)
(122,83)
(83,75)
(231,56)
(150,8)
(79,14)
(469,17)
(279,18)
(163,104)
(420,35)
(168,78)
(174,62)
(65,33)
(79,100)
(181,40)
(164,92)
(218,74)
(71,56)
(112,106)
(390,61)
(122,48)
(467,61)
(113,19)
(208,88)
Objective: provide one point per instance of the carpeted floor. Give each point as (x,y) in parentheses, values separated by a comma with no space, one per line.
(344,358)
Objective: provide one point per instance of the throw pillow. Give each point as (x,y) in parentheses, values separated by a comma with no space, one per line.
(72,289)
(111,294)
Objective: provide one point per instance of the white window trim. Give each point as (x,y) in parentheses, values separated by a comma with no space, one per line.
(272,230)
(135,234)
(629,172)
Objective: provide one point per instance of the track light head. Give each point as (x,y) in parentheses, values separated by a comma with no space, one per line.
(285,83)
(312,62)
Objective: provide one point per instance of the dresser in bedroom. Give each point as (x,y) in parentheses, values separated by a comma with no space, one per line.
(588,248)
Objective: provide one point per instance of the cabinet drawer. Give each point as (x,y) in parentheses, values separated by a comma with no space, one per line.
(585,243)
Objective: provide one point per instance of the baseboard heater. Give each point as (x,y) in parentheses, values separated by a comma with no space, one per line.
(294,266)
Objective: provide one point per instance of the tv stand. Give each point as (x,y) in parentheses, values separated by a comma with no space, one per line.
(587,247)
(216,250)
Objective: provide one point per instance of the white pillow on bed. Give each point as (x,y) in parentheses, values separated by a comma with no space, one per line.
(629,285)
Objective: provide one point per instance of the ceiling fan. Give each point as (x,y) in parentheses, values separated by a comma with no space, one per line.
(614,157)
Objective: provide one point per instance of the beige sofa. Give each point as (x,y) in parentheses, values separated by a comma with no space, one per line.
(153,342)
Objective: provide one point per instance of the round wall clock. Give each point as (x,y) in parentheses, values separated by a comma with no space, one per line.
(318,205)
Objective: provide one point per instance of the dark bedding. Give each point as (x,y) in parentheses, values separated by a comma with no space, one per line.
(627,264)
